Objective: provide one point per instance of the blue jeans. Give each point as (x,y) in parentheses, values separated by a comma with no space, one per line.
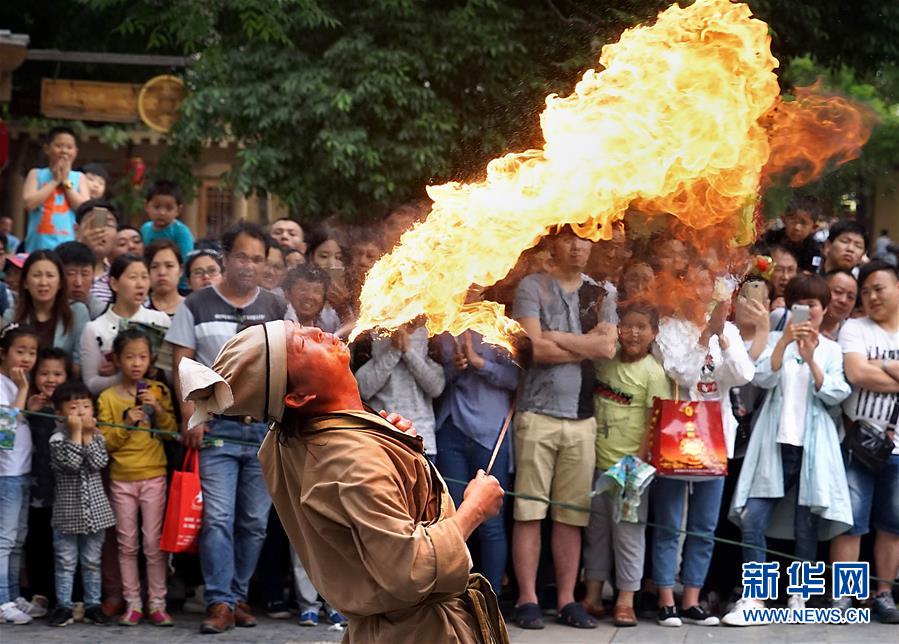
(14,494)
(459,457)
(236,504)
(703,501)
(758,511)
(68,550)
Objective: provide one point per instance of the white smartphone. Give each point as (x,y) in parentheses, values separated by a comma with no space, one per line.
(799,314)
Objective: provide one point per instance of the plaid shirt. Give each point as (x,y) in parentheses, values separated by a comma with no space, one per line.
(80,505)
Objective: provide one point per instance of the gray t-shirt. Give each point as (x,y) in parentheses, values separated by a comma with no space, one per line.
(206,320)
(552,390)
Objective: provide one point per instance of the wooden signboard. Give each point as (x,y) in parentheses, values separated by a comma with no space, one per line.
(90,100)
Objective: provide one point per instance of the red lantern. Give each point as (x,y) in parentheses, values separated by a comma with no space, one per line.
(136,169)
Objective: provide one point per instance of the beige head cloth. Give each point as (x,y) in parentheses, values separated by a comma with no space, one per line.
(248,378)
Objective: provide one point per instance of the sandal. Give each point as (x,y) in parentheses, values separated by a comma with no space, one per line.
(596,612)
(529,616)
(575,615)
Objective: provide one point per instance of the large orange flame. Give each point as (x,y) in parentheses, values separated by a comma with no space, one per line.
(672,124)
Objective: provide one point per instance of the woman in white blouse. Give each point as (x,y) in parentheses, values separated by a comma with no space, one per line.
(129,280)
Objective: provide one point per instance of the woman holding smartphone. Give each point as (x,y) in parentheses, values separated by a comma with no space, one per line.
(325,248)
(794,442)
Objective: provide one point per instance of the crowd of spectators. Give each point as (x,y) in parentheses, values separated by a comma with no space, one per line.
(97,315)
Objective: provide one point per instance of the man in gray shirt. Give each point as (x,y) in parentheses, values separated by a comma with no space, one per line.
(555,431)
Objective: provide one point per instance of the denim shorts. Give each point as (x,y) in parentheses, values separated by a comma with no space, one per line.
(875,497)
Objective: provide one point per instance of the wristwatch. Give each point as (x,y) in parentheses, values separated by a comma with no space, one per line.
(68,185)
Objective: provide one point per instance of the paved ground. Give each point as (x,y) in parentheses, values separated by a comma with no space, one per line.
(287,632)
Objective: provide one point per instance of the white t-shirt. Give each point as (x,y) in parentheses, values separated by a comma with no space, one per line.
(871,340)
(794,381)
(15,461)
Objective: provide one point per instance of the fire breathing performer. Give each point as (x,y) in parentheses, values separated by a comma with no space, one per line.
(368,515)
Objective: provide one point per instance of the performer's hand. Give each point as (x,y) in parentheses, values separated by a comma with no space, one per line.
(482,500)
(401,423)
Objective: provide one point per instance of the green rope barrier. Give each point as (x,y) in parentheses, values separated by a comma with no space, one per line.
(212,441)
(220,441)
(693,533)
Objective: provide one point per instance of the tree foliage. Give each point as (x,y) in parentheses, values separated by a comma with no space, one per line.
(348,107)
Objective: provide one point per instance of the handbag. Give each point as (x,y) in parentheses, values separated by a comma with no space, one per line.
(184,511)
(688,439)
(870,446)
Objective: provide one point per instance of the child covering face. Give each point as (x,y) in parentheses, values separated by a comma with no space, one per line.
(626,387)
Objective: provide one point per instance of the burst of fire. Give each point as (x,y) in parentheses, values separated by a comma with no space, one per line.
(673,123)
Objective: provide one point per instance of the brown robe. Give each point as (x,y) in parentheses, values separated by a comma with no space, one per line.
(368,517)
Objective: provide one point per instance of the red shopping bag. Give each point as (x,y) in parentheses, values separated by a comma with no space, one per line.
(184,512)
(688,439)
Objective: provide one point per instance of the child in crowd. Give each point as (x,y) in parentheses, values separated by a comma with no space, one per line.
(53,367)
(163,206)
(97,228)
(18,349)
(137,471)
(52,194)
(81,511)
(625,390)
(798,233)
(97,178)
(794,443)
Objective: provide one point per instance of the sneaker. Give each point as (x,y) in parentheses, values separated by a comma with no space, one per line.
(61,616)
(160,617)
(885,608)
(795,602)
(699,616)
(33,608)
(668,617)
(95,615)
(278,610)
(78,611)
(132,615)
(335,617)
(843,604)
(10,613)
(308,618)
(737,617)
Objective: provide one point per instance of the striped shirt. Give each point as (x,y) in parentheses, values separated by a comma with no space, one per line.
(206,320)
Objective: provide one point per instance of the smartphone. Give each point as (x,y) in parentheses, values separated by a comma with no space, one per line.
(755,290)
(799,314)
(100,218)
(141,387)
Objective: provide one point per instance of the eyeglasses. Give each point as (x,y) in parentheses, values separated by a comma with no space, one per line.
(212,271)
